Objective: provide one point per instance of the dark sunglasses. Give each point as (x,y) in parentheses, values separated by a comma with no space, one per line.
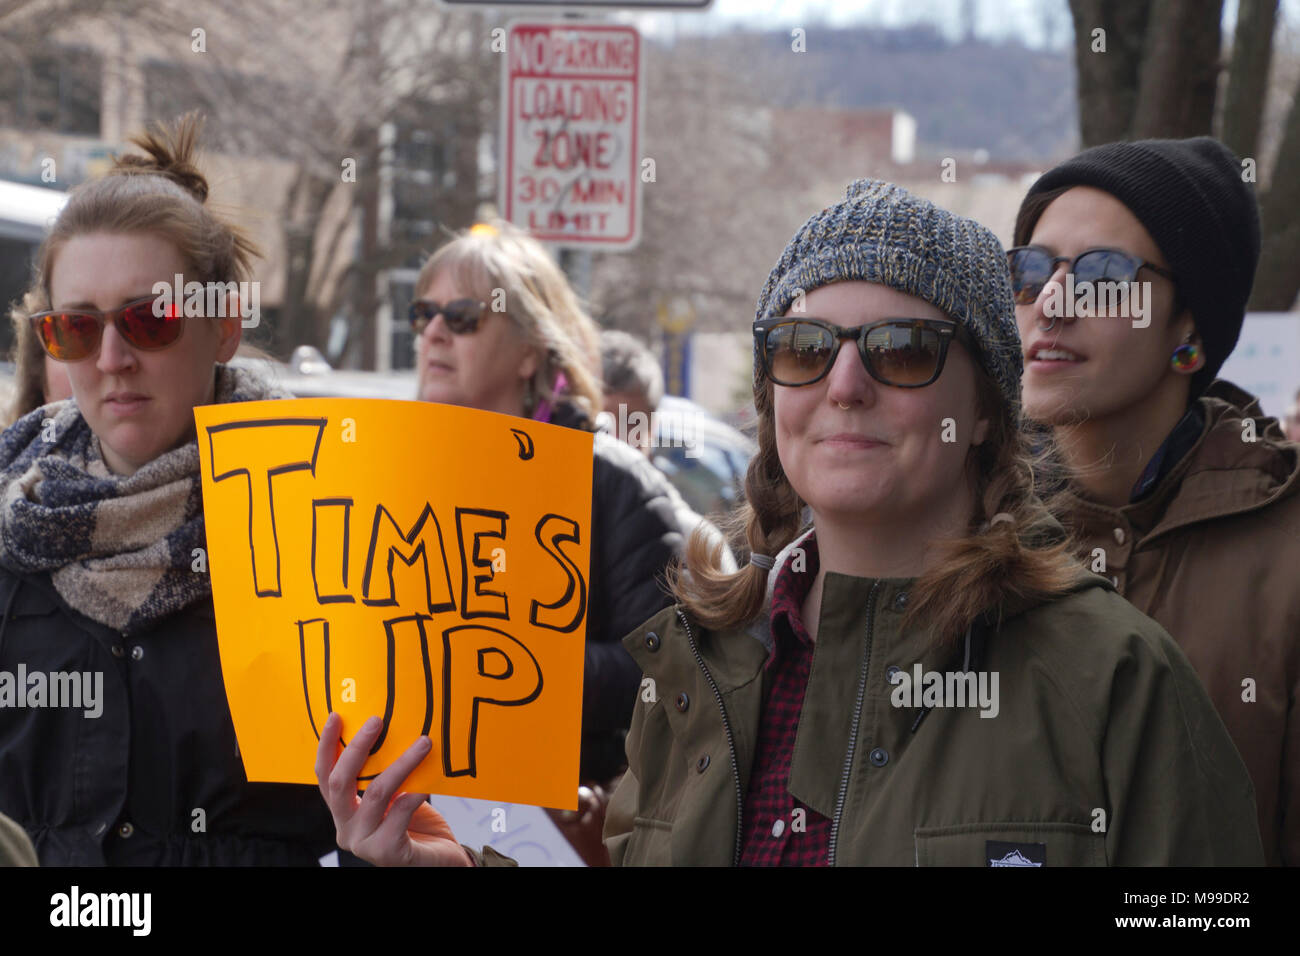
(1032,267)
(904,353)
(462,315)
(70,335)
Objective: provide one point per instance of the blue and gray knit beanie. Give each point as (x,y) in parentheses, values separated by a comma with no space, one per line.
(882,233)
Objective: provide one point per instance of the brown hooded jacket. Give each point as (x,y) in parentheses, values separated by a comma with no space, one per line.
(1213,555)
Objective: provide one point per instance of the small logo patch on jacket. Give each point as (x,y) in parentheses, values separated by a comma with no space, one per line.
(1015,854)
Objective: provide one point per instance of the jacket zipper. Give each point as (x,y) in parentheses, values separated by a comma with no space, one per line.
(853,732)
(726,725)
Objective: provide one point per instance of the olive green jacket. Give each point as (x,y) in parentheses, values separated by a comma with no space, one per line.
(15,847)
(1105,749)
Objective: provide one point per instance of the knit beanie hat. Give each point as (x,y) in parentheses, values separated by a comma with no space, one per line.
(882,233)
(1190,196)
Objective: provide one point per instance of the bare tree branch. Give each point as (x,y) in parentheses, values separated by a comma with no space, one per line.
(1277,280)
(1108,65)
(1252,55)
(1180,70)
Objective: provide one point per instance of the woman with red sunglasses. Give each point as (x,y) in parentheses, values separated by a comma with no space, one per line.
(1181,491)
(920,675)
(116,744)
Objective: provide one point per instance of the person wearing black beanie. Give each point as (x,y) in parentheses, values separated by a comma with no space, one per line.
(1189,195)
(1132,266)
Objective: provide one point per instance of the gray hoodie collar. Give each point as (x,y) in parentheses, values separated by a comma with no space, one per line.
(761,628)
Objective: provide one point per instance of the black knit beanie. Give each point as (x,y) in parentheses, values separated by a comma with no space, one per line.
(1190,196)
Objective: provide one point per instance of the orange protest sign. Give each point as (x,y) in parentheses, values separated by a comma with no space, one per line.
(421,562)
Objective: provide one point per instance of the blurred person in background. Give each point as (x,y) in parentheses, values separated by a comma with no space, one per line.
(634,384)
(1181,491)
(633,388)
(1292,421)
(100,518)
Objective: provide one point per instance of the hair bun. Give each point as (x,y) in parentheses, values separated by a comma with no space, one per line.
(170,152)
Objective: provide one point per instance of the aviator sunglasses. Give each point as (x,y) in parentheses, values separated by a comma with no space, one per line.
(1033,266)
(70,335)
(462,315)
(904,353)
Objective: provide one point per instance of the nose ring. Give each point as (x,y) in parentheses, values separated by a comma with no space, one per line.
(842,405)
(1049,326)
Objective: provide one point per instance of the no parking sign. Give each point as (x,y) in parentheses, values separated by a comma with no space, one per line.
(571,125)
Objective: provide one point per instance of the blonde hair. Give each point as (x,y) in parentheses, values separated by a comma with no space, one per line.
(994,563)
(495,261)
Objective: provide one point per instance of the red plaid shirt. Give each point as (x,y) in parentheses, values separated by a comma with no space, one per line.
(775,834)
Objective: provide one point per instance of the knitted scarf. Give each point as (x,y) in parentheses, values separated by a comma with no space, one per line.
(119,549)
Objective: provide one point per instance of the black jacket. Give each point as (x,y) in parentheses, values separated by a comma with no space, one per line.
(635,533)
(155,778)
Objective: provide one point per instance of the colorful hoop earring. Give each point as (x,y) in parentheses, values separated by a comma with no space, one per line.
(1187,358)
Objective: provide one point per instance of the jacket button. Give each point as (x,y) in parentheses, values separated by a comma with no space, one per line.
(702,764)
(778,827)
(137,652)
(652,641)
(1119,535)
(125,831)
(879,757)
(683,702)
(900,601)
(119,650)
(891,672)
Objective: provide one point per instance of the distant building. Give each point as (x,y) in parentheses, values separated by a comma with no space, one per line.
(73,103)
(847,138)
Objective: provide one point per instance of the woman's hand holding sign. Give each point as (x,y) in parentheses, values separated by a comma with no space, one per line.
(377,828)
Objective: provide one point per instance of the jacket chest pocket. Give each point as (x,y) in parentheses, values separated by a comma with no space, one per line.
(1010,844)
(35,632)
